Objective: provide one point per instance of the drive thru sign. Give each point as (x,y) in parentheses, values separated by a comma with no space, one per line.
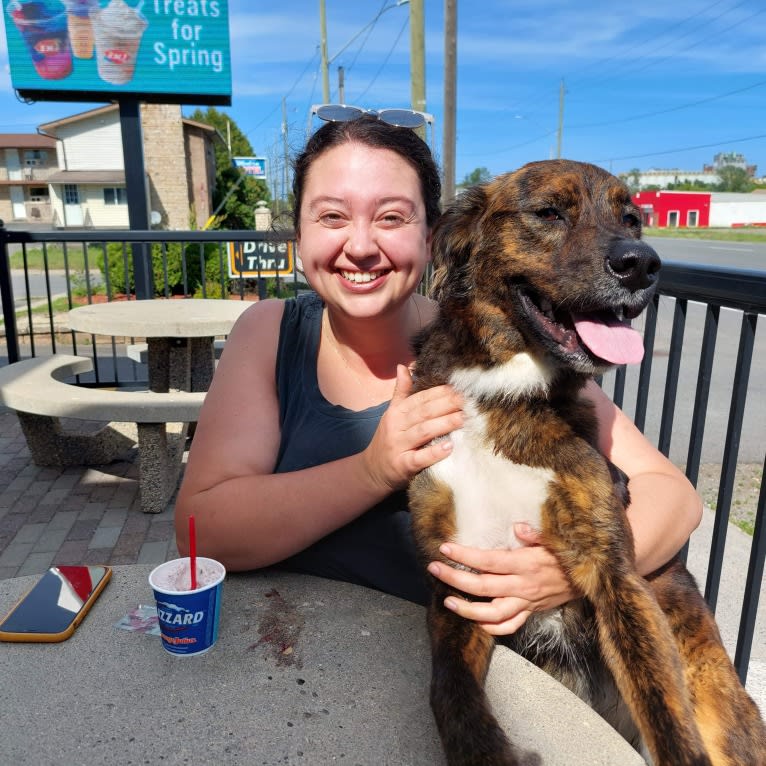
(261,259)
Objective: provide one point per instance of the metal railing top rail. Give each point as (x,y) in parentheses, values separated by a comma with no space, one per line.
(742,289)
(135,235)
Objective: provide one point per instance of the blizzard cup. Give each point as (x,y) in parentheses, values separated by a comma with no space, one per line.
(188,619)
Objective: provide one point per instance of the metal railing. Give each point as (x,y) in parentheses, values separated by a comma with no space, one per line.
(704,304)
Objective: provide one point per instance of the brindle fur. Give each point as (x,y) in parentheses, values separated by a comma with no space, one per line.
(569,232)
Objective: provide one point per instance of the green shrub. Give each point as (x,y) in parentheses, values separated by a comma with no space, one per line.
(177,267)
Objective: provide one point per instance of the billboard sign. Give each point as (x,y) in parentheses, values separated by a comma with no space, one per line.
(252,166)
(261,258)
(172,51)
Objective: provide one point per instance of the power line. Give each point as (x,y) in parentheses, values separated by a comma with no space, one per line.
(678,108)
(385,60)
(630,69)
(683,149)
(716,34)
(371,26)
(601,62)
(292,88)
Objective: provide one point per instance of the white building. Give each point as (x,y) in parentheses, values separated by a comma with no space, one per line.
(728,209)
(88,189)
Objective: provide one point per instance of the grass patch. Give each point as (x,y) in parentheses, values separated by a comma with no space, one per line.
(745,234)
(745,493)
(56,257)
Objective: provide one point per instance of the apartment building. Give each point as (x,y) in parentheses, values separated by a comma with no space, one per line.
(27,160)
(81,175)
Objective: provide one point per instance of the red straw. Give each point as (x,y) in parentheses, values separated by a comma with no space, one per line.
(193,553)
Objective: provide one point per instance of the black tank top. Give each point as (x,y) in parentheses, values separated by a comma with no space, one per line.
(376,549)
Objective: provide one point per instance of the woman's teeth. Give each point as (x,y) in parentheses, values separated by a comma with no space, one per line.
(361,276)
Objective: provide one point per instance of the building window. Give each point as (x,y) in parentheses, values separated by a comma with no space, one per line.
(672,219)
(35,157)
(692,218)
(38,194)
(115,196)
(71,194)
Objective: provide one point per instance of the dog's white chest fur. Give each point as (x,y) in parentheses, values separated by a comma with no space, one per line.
(490,492)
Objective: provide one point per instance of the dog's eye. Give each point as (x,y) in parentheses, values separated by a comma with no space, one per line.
(549,214)
(631,220)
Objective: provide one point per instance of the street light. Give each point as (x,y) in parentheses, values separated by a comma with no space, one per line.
(323,45)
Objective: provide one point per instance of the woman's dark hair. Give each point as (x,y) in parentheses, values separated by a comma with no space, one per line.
(371,131)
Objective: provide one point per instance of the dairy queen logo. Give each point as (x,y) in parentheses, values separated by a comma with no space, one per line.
(46,47)
(116,56)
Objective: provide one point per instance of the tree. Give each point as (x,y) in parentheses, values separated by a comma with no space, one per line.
(239,208)
(476,176)
(633,179)
(687,185)
(734,179)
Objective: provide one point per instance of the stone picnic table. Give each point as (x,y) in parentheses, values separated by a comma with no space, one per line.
(305,671)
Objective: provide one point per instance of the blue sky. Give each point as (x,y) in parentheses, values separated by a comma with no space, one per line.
(647,85)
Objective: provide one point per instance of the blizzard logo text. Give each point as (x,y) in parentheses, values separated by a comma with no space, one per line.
(190,618)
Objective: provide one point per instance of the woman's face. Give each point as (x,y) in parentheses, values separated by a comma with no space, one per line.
(364,242)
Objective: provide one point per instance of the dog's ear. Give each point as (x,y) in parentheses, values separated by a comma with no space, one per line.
(456,236)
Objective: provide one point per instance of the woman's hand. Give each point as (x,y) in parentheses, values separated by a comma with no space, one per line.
(401,445)
(517,582)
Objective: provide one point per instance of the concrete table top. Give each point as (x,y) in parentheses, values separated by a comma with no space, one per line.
(305,671)
(179,334)
(158,318)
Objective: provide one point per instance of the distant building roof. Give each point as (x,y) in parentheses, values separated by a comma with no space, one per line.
(26,141)
(73,118)
(736,197)
(48,126)
(88,177)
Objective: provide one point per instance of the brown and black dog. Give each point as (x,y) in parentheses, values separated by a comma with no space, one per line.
(537,276)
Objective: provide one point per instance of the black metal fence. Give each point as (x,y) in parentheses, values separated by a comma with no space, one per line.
(700,335)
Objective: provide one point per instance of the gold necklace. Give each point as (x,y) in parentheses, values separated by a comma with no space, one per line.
(331,336)
(336,348)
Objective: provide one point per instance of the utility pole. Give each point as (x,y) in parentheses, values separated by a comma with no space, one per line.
(561,120)
(323,52)
(417,60)
(450,99)
(341,85)
(285,150)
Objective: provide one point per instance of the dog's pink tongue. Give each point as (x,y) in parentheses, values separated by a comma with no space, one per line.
(608,338)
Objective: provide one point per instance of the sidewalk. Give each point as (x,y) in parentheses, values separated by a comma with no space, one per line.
(52,516)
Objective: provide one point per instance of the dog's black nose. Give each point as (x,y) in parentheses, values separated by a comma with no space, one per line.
(635,263)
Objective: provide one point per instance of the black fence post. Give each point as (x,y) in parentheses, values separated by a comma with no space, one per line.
(6,295)
(138,198)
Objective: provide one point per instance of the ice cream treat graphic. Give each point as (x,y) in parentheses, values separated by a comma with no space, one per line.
(118,29)
(43,27)
(80,27)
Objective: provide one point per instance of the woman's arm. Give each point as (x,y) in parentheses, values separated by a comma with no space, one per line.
(246,516)
(663,512)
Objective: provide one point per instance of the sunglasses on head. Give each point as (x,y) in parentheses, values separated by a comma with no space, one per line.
(400,118)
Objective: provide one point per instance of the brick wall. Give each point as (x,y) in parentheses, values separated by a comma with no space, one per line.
(165,161)
(200,164)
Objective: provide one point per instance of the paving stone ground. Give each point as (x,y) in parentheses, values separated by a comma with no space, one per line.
(82,515)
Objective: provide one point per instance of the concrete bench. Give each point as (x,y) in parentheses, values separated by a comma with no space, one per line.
(139,352)
(37,391)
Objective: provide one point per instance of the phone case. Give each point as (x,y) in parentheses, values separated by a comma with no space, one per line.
(65,634)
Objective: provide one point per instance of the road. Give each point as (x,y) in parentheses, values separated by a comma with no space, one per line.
(737,255)
(747,255)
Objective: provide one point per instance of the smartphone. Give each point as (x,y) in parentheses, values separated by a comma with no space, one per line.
(56,604)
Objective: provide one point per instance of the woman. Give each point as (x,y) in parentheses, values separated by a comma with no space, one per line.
(309,433)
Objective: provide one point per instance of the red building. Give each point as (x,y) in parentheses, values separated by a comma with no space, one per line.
(674,209)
